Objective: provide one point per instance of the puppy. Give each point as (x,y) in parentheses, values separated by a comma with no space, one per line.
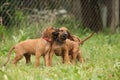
(38,47)
(73,42)
(65,48)
(59,47)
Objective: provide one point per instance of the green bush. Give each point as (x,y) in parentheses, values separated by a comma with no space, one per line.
(8,17)
(22,36)
(2,29)
(2,32)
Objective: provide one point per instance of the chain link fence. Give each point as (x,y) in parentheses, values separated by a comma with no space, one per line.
(94,14)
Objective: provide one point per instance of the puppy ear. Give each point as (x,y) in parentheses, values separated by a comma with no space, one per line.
(44,33)
(70,36)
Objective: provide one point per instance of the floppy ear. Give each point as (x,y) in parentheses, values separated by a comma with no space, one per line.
(44,33)
(70,36)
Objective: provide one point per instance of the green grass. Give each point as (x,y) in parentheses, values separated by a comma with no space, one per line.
(101,54)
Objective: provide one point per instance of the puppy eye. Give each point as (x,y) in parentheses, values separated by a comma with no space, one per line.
(61,30)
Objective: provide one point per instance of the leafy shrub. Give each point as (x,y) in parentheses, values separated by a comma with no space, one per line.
(2,32)
(67,20)
(22,36)
(2,29)
(7,10)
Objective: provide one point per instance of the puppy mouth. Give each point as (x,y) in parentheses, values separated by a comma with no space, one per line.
(63,36)
(61,39)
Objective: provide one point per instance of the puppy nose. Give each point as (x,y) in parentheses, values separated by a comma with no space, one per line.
(65,34)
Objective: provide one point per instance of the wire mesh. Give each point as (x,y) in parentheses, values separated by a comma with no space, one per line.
(93,14)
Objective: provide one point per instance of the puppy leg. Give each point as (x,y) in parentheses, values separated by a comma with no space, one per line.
(37,59)
(74,55)
(47,59)
(50,57)
(27,57)
(19,55)
(79,56)
(17,58)
(66,56)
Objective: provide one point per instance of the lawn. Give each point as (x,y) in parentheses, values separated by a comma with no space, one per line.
(101,54)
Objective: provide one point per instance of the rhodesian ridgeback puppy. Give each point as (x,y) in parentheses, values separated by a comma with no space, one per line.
(72,44)
(38,47)
(59,47)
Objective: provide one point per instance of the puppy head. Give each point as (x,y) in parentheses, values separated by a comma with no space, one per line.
(47,33)
(61,36)
(64,29)
(55,34)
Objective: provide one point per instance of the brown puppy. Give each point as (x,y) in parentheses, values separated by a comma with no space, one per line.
(74,42)
(65,47)
(38,47)
(59,47)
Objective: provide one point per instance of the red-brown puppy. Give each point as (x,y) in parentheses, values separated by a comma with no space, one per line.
(65,47)
(59,47)
(38,47)
(73,43)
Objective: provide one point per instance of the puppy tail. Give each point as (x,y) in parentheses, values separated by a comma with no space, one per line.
(82,41)
(9,53)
